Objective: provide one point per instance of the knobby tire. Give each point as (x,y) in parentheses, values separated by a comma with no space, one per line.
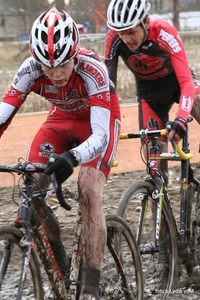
(10,235)
(122,274)
(160,264)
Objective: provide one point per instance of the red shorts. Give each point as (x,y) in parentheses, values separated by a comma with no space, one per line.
(61,132)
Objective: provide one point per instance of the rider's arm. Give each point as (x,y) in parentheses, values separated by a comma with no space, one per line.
(100,90)
(98,140)
(111,54)
(23,81)
(9,106)
(7,111)
(169,40)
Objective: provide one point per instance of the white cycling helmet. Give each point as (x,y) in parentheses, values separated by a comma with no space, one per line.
(125,14)
(54,38)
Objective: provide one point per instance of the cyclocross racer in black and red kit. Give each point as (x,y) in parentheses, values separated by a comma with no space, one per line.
(82,128)
(154,52)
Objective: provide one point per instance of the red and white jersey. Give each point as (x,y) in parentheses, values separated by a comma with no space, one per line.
(160,54)
(89,94)
(88,86)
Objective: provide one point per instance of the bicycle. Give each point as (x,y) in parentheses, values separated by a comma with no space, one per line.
(164,242)
(25,250)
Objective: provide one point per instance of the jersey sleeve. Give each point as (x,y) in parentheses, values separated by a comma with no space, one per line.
(111,54)
(169,40)
(100,90)
(9,106)
(21,86)
(98,140)
(95,79)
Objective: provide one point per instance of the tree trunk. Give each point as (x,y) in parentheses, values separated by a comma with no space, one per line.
(60,5)
(175,18)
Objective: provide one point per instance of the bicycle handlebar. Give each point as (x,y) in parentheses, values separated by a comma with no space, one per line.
(143,133)
(26,168)
(182,154)
(58,190)
(155,133)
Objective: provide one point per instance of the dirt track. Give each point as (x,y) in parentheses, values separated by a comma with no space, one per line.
(16,139)
(115,186)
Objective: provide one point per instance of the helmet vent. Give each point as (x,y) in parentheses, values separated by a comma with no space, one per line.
(67,32)
(56,37)
(44,37)
(141,14)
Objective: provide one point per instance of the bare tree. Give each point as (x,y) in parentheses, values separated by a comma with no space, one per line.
(19,15)
(175,17)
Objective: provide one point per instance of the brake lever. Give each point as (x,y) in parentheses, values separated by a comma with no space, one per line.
(173,146)
(57,189)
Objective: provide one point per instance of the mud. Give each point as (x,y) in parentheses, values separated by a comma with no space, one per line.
(115,186)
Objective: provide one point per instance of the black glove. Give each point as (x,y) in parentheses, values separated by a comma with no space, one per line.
(179,126)
(63,166)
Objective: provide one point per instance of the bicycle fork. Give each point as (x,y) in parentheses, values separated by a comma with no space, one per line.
(157,197)
(25,243)
(76,259)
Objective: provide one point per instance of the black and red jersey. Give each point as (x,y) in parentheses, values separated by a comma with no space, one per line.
(161,54)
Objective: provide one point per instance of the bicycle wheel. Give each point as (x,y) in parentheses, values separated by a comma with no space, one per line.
(187,253)
(196,233)
(11,257)
(158,263)
(121,272)
(192,259)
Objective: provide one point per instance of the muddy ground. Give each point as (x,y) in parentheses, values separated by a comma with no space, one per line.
(115,186)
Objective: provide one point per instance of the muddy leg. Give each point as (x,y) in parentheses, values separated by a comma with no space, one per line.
(93,232)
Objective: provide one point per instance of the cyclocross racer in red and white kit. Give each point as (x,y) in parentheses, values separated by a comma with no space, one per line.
(87,94)
(82,128)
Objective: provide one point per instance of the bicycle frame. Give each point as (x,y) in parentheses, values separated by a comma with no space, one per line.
(156,175)
(153,162)
(31,225)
